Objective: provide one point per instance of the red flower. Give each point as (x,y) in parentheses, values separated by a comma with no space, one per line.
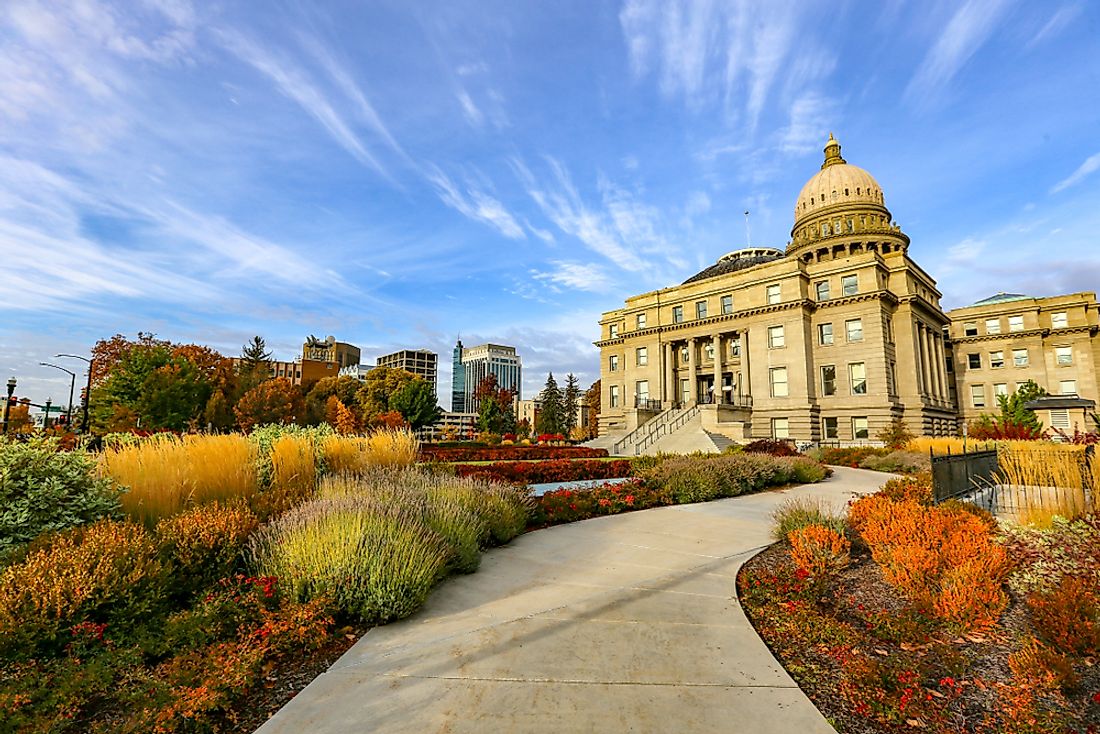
(630,499)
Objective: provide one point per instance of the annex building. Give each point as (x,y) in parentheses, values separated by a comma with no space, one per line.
(829,339)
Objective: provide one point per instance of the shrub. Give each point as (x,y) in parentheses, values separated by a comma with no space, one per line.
(107,572)
(897,462)
(917,488)
(44,490)
(470,452)
(570,505)
(797,513)
(895,435)
(554,470)
(204,544)
(771,447)
(703,477)
(1036,664)
(851,456)
(820,550)
(806,471)
(1068,616)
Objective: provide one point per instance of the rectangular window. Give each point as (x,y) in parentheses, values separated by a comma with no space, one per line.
(854,329)
(860,428)
(642,356)
(1060,419)
(1015,323)
(613,394)
(1019,357)
(613,330)
(829,428)
(775,337)
(700,309)
(613,363)
(677,314)
(822,290)
(781,428)
(992,326)
(977,396)
(641,321)
(1067,387)
(974,361)
(1059,320)
(828,379)
(735,347)
(1063,355)
(888,329)
(773,295)
(970,328)
(825,334)
(996,359)
(857,374)
(641,390)
(684,355)
(685,392)
(779,381)
(709,349)
(1000,388)
(727,304)
(849,285)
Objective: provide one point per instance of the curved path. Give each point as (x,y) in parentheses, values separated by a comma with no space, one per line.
(626,623)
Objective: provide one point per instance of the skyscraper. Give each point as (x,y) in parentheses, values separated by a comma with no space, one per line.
(473,364)
(420,362)
(458,381)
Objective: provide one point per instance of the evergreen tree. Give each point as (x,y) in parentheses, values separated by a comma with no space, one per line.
(550,411)
(416,404)
(255,352)
(570,400)
(255,365)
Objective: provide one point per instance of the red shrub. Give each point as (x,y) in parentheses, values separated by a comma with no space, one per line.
(537,472)
(772,447)
(1068,616)
(849,456)
(507,453)
(569,505)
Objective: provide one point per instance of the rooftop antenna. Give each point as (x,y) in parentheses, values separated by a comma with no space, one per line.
(748,231)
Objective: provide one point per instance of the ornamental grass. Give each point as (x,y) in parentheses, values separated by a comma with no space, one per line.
(1039,485)
(166,474)
(800,512)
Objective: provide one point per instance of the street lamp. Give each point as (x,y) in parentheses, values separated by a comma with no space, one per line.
(72,386)
(7,403)
(87,390)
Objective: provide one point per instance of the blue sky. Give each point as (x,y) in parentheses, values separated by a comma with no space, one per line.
(397,174)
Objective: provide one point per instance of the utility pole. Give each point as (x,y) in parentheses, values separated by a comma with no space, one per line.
(748,232)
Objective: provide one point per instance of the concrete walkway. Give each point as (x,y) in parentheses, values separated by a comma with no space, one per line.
(626,623)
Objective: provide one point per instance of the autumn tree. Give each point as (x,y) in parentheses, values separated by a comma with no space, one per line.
(107,353)
(340,417)
(416,403)
(344,388)
(592,400)
(272,401)
(378,389)
(495,406)
(550,418)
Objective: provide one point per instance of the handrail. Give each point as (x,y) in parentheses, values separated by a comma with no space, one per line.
(666,428)
(648,425)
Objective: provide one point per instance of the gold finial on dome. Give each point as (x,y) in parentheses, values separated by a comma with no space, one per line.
(832,152)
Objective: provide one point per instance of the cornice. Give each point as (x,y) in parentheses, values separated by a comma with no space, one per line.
(1041,333)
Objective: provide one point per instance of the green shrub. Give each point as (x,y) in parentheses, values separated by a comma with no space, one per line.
(46,490)
(898,462)
(806,471)
(700,478)
(800,512)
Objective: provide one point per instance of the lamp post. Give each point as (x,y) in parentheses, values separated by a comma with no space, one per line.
(87,391)
(7,403)
(46,416)
(72,387)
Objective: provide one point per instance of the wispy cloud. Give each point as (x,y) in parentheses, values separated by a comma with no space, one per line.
(473,115)
(1090,166)
(965,34)
(579,276)
(1058,21)
(475,204)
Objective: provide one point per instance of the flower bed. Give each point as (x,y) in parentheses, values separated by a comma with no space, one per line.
(507,453)
(555,470)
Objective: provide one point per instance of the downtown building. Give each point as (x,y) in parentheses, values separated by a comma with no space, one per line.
(421,362)
(831,338)
(473,364)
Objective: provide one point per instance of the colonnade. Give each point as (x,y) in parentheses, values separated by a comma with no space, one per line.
(676,369)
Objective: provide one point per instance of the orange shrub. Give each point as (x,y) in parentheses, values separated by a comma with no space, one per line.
(1068,616)
(1037,665)
(819,550)
(917,487)
(866,507)
(204,543)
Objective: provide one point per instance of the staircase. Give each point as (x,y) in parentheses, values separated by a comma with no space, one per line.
(646,435)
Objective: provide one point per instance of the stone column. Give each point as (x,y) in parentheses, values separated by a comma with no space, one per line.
(746,373)
(933,379)
(941,367)
(717,341)
(670,375)
(693,383)
(922,343)
(917,359)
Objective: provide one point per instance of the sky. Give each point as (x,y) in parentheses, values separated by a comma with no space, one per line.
(402,174)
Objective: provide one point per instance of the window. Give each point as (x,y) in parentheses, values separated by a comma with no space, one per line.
(1015,323)
(613,363)
(849,285)
(1000,388)
(775,337)
(888,329)
(735,347)
(970,328)
(1063,355)
(685,392)
(996,359)
(700,309)
(642,356)
(677,314)
(613,330)
(950,362)
(773,295)
(860,429)
(1059,320)
(992,326)
(857,374)
(641,390)
(828,379)
(613,395)
(1067,387)
(709,349)
(1019,357)
(974,361)
(1059,419)
(727,304)
(829,428)
(684,355)
(823,290)
(779,381)
(781,428)
(977,396)
(854,329)
(641,321)
(825,334)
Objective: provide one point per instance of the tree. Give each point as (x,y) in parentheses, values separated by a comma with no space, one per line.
(592,398)
(340,417)
(344,388)
(895,435)
(218,413)
(496,411)
(1014,421)
(255,364)
(549,419)
(272,401)
(378,389)
(416,404)
(107,353)
(570,401)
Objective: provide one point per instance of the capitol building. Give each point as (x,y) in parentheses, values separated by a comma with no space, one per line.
(829,339)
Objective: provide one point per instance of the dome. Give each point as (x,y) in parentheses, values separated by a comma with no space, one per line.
(836,183)
(738,260)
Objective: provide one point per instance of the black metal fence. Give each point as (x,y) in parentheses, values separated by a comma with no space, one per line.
(956,475)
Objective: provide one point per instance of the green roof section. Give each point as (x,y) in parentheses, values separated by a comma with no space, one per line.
(1002,298)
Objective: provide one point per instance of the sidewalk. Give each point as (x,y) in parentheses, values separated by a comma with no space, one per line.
(626,623)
